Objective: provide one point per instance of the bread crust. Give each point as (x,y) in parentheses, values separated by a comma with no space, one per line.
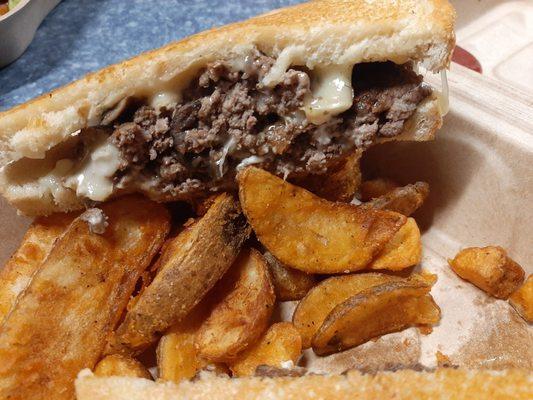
(319,32)
(445,383)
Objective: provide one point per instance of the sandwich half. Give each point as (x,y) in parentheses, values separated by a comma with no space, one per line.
(294,91)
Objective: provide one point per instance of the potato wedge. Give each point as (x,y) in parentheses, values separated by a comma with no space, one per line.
(522,300)
(339,183)
(61,322)
(280,343)
(386,308)
(190,265)
(202,205)
(16,275)
(375,188)
(120,365)
(311,234)
(289,284)
(243,314)
(490,269)
(404,200)
(403,251)
(177,355)
(324,297)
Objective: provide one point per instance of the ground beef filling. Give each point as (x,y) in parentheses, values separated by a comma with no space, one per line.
(227,119)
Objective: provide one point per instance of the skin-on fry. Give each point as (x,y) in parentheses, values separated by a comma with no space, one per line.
(490,269)
(202,205)
(177,355)
(242,315)
(190,265)
(405,200)
(16,275)
(324,297)
(60,324)
(375,188)
(311,234)
(339,183)
(386,308)
(403,251)
(522,300)
(120,365)
(279,344)
(289,284)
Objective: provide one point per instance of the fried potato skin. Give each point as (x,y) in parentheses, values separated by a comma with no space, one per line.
(375,188)
(281,342)
(382,309)
(193,261)
(522,300)
(120,365)
(177,355)
(289,284)
(403,251)
(16,275)
(490,269)
(339,183)
(62,321)
(243,314)
(404,200)
(311,234)
(324,297)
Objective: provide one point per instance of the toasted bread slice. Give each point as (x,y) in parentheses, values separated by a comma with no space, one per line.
(445,383)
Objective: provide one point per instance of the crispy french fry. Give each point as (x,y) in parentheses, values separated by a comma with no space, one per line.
(120,365)
(490,269)
(190,265)
(340,183)
(375,188)
(16,275)
(522,300)
(60,324)
(404,200)
(289,284)
(177,356)
(202,205)
(309,233)
(280,343)
(386,308)
(242,316)
(402,251)
(324,297)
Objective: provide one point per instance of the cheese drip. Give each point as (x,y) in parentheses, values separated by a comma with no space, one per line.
(92,178)
(332,93)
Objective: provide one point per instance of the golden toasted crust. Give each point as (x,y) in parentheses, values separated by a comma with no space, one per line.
(318,32)
(405,384)
(36,244)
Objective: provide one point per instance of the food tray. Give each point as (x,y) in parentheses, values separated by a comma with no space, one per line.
(480,171)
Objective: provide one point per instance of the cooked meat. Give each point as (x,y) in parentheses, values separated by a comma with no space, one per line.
(228,117)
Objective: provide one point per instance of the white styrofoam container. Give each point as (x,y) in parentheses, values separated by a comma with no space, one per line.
(480,169)
(17,27)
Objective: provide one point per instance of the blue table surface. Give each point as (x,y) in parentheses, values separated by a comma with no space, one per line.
(80,36)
